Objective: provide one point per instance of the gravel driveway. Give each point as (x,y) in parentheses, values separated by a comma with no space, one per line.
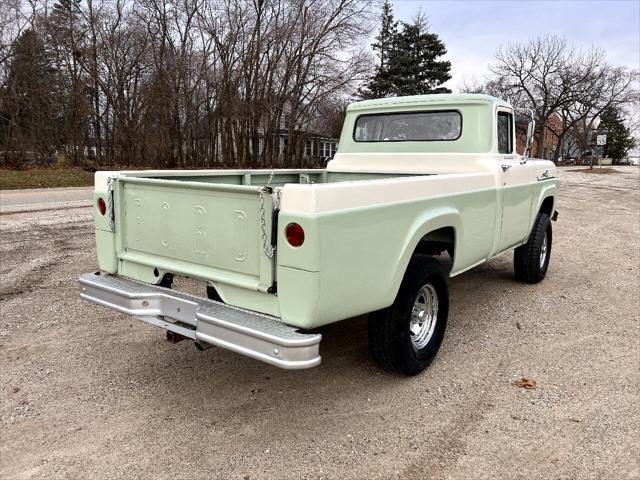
(41,199)
(88,393)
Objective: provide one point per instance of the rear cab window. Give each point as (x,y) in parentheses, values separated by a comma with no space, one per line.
(408,127)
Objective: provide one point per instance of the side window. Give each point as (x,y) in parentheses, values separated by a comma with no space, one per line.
(505,132)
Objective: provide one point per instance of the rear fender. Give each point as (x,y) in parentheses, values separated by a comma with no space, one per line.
(423,225)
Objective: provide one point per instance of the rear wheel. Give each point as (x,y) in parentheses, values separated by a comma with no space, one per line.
(406,336)
(531,260)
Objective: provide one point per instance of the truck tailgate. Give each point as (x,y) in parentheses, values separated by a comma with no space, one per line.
(204,230)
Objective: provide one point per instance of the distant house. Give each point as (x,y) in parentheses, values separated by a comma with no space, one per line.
(550,143)
(311,144)
(317,144)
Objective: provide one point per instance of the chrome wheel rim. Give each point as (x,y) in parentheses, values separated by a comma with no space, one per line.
(543,251)
(424,316)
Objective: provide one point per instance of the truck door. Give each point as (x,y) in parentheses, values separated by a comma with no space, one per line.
(516,186)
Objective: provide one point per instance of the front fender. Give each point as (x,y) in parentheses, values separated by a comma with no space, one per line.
(549,189)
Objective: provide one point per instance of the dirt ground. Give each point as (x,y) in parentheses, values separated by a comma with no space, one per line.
(88,393)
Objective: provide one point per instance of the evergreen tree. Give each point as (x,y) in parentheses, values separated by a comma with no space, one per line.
(381,85)
(388,31)
(27,119)
(409,59)
(414,65)
(619,137)
(65,15)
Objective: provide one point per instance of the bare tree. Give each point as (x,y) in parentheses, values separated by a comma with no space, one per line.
(606,87)
(195,82)
(274,61)
(552,76)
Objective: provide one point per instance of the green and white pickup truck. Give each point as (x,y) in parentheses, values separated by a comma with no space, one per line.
(280,253)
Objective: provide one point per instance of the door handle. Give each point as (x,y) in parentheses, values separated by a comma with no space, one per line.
(506,167)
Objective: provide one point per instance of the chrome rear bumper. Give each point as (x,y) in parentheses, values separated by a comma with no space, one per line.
(253,334)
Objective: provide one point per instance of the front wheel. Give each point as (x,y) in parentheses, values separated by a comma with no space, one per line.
(406,336)
(531,260)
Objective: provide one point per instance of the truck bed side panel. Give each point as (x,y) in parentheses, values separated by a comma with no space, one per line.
(360,254)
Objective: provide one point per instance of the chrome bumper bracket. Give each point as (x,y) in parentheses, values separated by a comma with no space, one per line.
(253,334)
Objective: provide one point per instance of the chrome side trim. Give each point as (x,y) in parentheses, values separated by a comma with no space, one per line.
(546,175)
(253,334)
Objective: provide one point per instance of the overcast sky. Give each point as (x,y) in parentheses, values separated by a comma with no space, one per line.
(473,30)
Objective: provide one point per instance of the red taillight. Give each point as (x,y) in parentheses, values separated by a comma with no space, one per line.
(102,206)
(295,234)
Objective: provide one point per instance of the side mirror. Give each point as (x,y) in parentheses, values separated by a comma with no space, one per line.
(531,127)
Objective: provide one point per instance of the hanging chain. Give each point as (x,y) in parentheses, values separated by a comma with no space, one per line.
(269,249)
(112,226)
(270,178)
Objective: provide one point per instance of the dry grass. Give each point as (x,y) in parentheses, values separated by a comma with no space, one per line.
(44,178)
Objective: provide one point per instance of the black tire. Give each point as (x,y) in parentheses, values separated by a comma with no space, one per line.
(167,280)
(528,263)
(390,338)
(212,294)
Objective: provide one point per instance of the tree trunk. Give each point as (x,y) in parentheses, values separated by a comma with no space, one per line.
(540,139)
